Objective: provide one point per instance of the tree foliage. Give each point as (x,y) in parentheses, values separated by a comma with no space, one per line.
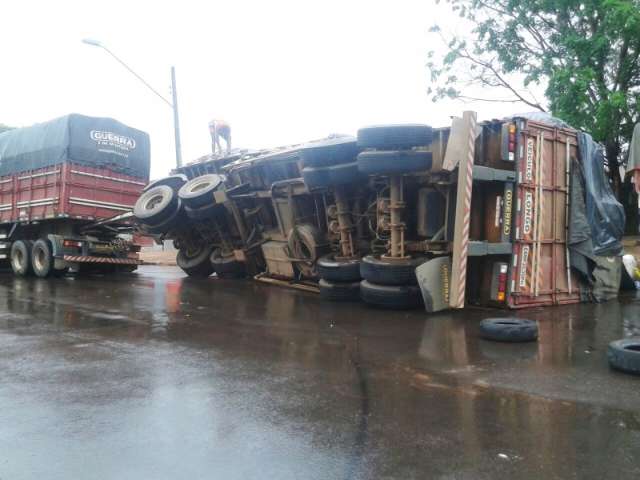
(583,53)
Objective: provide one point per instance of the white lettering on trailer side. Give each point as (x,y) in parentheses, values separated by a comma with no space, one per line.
(523,266)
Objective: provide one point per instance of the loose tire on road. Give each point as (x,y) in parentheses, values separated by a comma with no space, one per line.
(339,291)
(20,257)
(174,181)
(390,296)
(338,270)
(156,205)
(383,271)
(391,162)
(509,329)
(386,137)
(624,355)
(198,192)
(42,258)
(329,152)
(227,266)
(195,263)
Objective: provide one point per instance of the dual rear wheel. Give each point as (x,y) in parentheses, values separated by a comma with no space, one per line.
(28,257)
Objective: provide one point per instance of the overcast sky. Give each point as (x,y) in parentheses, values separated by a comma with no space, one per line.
(279,72)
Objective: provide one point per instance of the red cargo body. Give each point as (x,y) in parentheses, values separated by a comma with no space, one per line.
(539,274)
(67,191)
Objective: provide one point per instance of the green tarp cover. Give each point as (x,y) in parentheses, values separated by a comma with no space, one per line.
(92,141)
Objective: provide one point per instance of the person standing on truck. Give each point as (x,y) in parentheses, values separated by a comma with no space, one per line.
(217,129)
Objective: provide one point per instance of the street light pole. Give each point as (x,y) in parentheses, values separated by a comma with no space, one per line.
(176,121)
(173,105)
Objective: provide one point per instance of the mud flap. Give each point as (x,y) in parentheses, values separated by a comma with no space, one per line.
(434,279)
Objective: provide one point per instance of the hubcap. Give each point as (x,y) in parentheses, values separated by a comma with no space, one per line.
(152,202)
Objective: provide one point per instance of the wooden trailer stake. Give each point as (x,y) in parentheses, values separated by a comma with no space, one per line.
(463,214)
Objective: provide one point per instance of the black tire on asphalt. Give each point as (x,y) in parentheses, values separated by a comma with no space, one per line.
(509,329)
(316,177)
(195,263)
(390,162)
(203,213)
(20,257)
(173,222)
(174,181)
(345,174)
(390,296)
(624,355)
(198,192)
(339,291)
(387,137)
(390,272)
(340,270)
(329,152)
(156,205)
(227,266)
(42,258)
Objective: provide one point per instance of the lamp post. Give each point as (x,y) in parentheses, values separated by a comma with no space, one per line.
(173,104)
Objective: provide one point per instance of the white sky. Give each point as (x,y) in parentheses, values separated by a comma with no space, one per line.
(279,72)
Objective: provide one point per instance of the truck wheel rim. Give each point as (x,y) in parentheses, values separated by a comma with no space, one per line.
(17,260)
(39,259)
(153,202)
(199,186)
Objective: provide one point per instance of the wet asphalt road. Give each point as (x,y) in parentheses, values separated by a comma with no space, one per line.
(152,375)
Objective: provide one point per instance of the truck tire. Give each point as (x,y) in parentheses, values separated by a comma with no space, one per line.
(333,270)
(316,177)
(339,291)
(329,152)
(398,297)
(156,205)
(198,192)
(386,137)
(624,355)
(174,181)
(42,258)
(345,174)
(306,243)
(195,263)
(20,257)
(203,213)
(509,329)
(227,267)
(383,271)
(393,162)
(171,223)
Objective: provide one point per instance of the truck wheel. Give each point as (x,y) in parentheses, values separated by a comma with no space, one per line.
(345,174)
(204,212)
(390,296)
(174,181)
(195,263)
(170,223)
(198,192)
(20,257)
(387,137)
(227,267)
(316,177)
(42,258)
(390,272)
(347,270)
(394,162)
(339,291)
(329,152)
(156,205)
(509,329)
(624,355)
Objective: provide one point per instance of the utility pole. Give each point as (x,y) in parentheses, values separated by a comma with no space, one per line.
(176,119)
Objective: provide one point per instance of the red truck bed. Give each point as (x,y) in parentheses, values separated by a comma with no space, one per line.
(67,191)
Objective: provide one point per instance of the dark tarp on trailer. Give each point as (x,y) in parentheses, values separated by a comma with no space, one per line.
(90,141)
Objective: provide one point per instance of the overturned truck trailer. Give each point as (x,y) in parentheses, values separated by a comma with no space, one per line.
(67,188)
(402,216)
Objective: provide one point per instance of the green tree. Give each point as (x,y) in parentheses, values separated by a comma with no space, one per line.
(584,53)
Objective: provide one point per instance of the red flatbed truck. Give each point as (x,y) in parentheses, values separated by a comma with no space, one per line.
(67,188)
